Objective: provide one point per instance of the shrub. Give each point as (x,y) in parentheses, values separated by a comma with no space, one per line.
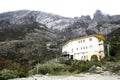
(7,74)
(64,67)
(49,67)
(44,68)
(22,74)
(80,66)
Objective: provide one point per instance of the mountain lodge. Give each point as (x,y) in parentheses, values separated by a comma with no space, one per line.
(85,48)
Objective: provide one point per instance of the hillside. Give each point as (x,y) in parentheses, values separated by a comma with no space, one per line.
(28,37)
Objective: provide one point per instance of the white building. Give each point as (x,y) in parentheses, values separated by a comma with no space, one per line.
(84,48)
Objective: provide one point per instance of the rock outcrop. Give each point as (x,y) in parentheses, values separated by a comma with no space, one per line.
(107,69)
(78,26)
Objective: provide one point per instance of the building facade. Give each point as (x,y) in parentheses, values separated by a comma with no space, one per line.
(85,48)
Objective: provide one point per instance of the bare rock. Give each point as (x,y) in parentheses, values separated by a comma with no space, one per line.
(107,73)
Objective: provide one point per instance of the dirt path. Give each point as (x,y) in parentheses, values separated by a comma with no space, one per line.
(74,77)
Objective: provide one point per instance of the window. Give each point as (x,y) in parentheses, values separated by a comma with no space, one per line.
(84,57)
(100,51)
(81,57)
(90,39)
(83,47)
(72,50)
(90,46)
(77,49)
(86,47)
(83,40)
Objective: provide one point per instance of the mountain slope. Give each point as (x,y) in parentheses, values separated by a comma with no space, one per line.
(77,26)
(34,36)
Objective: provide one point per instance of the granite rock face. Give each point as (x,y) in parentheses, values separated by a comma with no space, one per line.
(77,26)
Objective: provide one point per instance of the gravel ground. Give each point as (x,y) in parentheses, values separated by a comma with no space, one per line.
(73,77)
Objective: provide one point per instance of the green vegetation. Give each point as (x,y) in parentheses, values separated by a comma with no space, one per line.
(63,67)
(113,39)
(7,74)
(20,58)
(76,66)
(50,67)
(16,32)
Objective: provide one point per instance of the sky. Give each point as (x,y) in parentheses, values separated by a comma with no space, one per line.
(67,8)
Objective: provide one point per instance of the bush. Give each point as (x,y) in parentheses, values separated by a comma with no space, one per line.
(44,68)
(80,66)
(49,67)
(21,74)
(64,67)
(21,69)
(7,74)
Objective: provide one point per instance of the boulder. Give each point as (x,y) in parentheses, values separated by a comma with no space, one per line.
(111,66)
(95,69)
(98,70)
(92,69)
(107,73)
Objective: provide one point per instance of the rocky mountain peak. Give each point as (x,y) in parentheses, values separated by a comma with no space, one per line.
(77,26)
(100,17)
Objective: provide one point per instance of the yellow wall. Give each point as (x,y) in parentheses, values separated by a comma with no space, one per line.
(95,53)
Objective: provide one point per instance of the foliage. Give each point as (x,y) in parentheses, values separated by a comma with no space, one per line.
(3,63)
(48,67)
(21,69)
(113,58)
(114,40)
(16,32)
(8,74)
(63,67)
(22,55)
(75,66)
(81,66)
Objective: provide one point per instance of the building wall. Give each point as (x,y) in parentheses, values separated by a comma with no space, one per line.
(83,49)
